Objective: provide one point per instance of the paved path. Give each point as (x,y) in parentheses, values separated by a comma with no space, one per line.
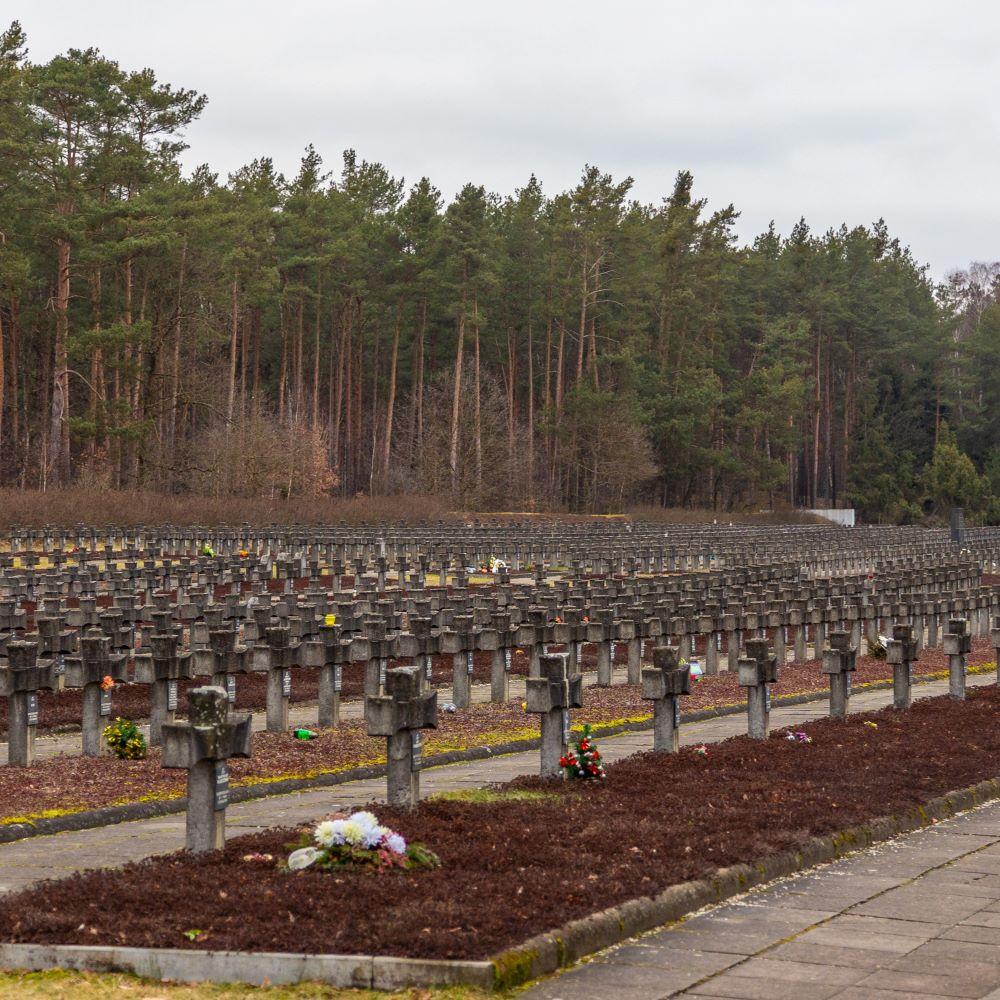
(917,917)
(25,861)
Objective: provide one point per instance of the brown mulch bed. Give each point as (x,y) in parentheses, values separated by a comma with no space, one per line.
(69,783)
(547,861)
(62,710)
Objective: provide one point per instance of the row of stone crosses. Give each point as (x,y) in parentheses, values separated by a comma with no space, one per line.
(212,735)
(185,617)
(156,608)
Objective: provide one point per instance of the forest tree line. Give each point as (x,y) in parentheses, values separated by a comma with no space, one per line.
(345,332)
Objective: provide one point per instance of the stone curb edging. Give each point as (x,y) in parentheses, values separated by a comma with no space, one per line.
(89,819)
(541,955)
(254,968)
(548,952)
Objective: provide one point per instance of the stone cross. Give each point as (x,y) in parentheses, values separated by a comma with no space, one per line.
(203,745)
(601,631)
(20,681)
(381,649)
(663,683)
(282,657)
(571,632)
(509,637)
(551,696)
(839,662)
(957,645)
(461,641)
(162,669)
(422,643)
(330,653)
(225,659)
(399,715)
(995,636)
(54,642)
(88,671)
(900,653)
(757,670)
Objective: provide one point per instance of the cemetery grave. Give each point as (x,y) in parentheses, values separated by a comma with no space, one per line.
(392,653)
(574,849)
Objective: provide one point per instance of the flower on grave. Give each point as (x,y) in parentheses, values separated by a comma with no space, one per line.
(701,751)
(583,760)
(257,857)
(870,724)
(357,841)
(107,683)
(798,737)
(125,740)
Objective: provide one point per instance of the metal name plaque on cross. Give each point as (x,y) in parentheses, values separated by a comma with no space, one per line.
(677,713)
(508,658)
(171,696)
(231,689)
(381,673)
(429,667)
(105,708)
(33,709)
(286,683)
(60,663)
(417,746)
(767,698)
(847,684)
(221,786)
(468,663)
(338,678)
(565,724)
(613,652)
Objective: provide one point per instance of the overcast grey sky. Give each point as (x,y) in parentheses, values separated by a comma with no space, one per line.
(838,111)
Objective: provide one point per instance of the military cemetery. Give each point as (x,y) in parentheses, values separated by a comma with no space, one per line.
(499,500)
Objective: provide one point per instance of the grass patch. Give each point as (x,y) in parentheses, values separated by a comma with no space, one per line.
(65,985)
(488,796)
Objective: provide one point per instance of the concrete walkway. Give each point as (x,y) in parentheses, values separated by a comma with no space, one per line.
(917,917)
(54,856)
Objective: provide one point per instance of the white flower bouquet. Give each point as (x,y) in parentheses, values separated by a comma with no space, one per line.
(358,841)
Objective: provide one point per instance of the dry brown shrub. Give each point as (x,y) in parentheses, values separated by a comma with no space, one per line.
(102,508)
(692,515)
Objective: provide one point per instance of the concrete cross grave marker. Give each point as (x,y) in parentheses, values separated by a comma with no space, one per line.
(331,653)
(461,640)
(162,669)
(20,681)
(381,649)
(900,653)
(551,696)
(88,671)
(282,656)
(757,670)
(55,642)
(663,683)
(839,662)
(957,646)
(225,658)
(995,638)
(399,715)
(203,745)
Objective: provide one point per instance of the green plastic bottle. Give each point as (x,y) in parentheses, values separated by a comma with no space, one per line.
(304,734)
